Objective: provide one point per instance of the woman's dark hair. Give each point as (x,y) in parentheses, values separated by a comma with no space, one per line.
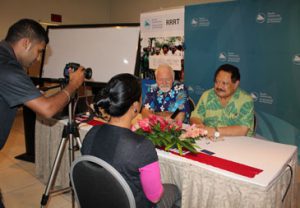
(26,28)
(119,94)
(233,70)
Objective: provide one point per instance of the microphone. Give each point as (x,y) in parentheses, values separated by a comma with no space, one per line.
(175,113)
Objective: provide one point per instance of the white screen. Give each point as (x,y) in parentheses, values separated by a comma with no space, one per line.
(107,50)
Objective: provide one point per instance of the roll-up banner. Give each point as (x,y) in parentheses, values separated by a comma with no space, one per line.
(262,39)
(162,39)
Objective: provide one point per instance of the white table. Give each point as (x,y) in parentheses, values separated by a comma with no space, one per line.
(201,185)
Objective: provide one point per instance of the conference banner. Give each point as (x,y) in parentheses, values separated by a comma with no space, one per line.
(262,39)
(162,39)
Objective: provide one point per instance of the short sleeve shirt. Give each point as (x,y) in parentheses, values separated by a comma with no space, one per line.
(16,88)
(176,98)
(239,111)
(126,151)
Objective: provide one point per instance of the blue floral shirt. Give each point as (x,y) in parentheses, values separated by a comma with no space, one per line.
(176,98)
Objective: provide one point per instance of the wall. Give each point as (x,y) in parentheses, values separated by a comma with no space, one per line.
(72,11)
(121,12)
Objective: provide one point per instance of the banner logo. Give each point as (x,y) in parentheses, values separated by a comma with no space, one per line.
(172,21)
(269,18)
(296,59)
(262,97)
(254,96)
(147,23)
(222,56)
(194,22)
(260,18)
(200,22)
(265,98)
(274,17)
(230,57)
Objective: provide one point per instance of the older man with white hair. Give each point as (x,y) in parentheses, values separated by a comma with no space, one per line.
(167,98)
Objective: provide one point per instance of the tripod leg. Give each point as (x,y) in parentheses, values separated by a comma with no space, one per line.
(78,142)
(72,156)
(54,170)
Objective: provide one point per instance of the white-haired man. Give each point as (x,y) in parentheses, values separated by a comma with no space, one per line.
(167,96)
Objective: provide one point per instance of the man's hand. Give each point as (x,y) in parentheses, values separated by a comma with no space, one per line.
(76,78)
(197,122)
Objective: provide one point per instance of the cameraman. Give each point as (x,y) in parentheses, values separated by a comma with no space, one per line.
(24,43)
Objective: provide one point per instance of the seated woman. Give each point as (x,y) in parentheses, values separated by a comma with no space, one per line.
(131,154)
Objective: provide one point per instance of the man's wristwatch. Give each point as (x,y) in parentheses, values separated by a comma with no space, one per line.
(217,133)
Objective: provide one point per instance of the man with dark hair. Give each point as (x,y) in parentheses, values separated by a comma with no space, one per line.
(24,43)
(165,50)
(225,110)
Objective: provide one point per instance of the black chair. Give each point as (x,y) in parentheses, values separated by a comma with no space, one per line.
(97,184)
(192,104)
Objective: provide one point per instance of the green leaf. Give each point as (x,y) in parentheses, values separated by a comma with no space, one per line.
(179,147)
(189,146)
(170,145)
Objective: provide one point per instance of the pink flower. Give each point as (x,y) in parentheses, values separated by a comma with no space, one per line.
(154,120)
(163,123)
(145,125)
(135,127)
(177,125)
(193,132)
(168,133)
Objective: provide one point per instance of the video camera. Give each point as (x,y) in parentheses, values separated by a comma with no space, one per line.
(74,66)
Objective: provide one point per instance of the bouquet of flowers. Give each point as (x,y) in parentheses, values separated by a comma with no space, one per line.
(169,134)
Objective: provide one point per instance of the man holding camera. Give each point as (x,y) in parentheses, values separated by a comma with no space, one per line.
(24,43)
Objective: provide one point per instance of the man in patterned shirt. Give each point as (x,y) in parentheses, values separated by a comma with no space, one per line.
(225,110)
(166,96)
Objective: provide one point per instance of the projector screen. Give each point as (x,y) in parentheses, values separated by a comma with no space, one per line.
(108,50)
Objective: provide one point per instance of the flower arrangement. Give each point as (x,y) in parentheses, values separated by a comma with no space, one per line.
(169,134)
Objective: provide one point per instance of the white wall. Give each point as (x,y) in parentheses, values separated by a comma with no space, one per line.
(72,11)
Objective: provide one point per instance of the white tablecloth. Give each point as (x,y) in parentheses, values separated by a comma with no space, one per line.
(201,185)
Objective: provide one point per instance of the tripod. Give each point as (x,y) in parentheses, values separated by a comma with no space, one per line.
(70,132)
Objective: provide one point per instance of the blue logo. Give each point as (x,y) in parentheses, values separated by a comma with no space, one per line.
(260,18)
(146,23)
(194,22)
(296,59)
(254,96)
(222,56)
(200,22)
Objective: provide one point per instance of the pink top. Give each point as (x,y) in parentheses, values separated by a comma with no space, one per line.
(151,181)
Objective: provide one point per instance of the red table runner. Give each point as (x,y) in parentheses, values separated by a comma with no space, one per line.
(95,122)
(221,163)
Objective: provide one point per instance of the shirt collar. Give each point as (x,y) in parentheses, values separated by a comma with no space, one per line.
(7,47)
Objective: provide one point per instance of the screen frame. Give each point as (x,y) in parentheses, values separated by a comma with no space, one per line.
(91,83)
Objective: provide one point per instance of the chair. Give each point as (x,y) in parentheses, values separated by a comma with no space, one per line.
(192,104)
(146,86)
(97,184)
(254,123)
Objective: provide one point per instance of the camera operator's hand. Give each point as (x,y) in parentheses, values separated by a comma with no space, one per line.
(76,78)
(49,106)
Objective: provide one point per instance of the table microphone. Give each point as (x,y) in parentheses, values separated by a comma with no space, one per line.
(175,113)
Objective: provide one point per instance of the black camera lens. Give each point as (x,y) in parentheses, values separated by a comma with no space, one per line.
(88,73)
(74,66)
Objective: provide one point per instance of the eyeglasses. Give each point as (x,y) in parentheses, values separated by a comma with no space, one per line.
(165,80)
(218,82)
